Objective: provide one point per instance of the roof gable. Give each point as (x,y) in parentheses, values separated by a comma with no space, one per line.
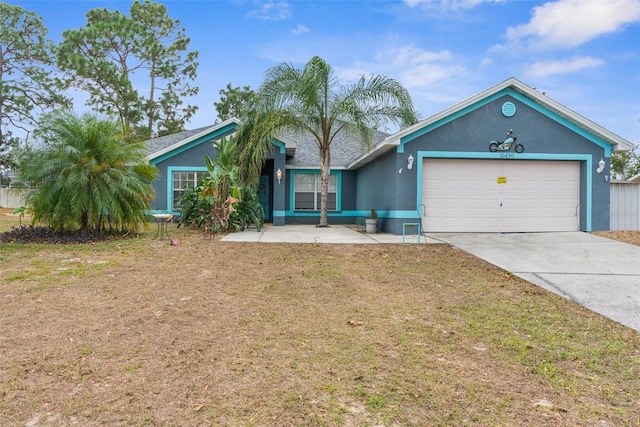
(168,146)
(518,90)
(301,153)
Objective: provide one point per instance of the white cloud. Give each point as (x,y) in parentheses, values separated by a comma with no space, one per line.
(419,68)
(563,66)
(570,23)
(299,29)
(271,11)
(434,79)
(415,66)
(447,4)
(410,55)
(428,76)
(485,62)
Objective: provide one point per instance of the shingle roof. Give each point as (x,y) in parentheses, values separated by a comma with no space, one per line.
(158,144)
(344,149)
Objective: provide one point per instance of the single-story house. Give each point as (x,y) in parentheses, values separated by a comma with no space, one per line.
(547,169)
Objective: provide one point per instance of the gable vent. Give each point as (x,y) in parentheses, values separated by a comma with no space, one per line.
(508,109)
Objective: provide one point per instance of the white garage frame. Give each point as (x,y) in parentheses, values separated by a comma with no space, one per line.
(587,158)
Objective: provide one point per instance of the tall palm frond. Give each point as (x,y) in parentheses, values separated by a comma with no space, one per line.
(312,100)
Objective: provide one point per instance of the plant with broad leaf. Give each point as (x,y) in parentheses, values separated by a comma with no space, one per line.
(20,211)
(220,203)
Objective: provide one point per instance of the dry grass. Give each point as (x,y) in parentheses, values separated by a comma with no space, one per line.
(8,220)
(631,237)
(138,332)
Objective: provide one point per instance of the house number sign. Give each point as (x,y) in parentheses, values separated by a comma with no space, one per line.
(502,180)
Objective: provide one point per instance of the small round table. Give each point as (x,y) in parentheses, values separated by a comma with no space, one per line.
(162,220)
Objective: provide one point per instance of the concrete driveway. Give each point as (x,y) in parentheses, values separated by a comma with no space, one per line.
(600,274)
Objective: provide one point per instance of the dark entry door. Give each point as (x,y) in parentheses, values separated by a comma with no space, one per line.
(264,195)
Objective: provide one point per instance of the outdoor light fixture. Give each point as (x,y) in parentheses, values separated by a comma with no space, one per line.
(601,165)
(410,162)
(279,175)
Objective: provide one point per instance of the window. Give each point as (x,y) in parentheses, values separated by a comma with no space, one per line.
(183,181)
(307,188)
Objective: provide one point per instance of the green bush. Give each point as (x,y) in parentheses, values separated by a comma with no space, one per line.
(87,176)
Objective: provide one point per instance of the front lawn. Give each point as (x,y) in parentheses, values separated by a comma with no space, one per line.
(138,332)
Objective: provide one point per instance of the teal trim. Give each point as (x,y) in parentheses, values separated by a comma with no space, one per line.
(280,214)
(566,123)
(291,175)
(525,100)
(401,214)
(332,214)
(170,171)
(448,119)
(280,145)
(589,190)
(206,138)
(186,168)
(587,158)
(499,156)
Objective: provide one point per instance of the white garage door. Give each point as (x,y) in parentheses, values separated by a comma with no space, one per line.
(465,195)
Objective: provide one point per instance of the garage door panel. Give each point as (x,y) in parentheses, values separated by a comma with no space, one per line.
(464,195)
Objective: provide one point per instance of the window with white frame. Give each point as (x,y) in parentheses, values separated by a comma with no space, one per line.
(307,189)
(182,181)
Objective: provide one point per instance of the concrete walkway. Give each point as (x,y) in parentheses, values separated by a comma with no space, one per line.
(600,274)
(312,234)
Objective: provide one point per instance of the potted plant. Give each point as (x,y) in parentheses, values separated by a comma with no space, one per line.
(371,222)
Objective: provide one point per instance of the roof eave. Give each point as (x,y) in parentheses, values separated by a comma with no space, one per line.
(617,142)
(289,145)
(205,132)
(374,152)
(314,167)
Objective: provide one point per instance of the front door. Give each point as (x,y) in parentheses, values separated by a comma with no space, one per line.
(264,195)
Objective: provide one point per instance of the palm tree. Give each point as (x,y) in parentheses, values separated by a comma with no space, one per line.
(312,100)
(87,177)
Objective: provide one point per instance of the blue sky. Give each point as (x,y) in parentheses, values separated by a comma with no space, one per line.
(584,54)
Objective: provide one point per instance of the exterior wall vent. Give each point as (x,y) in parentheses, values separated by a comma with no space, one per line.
(508,109)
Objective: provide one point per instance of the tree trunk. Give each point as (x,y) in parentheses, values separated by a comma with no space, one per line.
(151,109)
(325,169)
